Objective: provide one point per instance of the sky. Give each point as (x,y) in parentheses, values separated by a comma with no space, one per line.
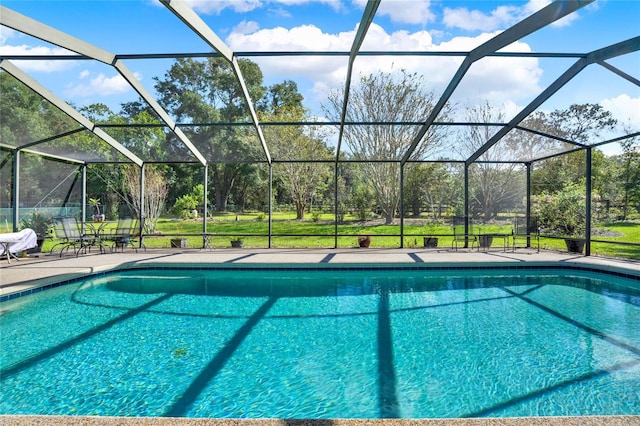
(147,26)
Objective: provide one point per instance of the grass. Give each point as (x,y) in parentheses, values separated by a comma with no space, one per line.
(288,232)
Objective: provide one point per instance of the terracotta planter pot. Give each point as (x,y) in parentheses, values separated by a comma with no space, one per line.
(364,241)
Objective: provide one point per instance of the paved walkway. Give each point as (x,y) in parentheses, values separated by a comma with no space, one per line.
(49,268)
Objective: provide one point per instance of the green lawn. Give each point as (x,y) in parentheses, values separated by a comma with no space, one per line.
(288,232)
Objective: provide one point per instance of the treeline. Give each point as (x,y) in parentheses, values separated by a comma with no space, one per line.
(205,97)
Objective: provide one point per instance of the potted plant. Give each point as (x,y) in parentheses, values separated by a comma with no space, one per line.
(563,213)
(97,216)
(364,241)
(237,242)
(41,225)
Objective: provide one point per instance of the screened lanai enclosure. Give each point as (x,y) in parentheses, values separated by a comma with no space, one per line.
(310,130)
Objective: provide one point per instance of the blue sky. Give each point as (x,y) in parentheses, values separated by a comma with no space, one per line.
(146,26)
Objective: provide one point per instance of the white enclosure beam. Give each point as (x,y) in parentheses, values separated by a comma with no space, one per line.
(365,22)
(67,109)
(43,32)
(252,111)
(144,94)
(620,73)
(23,24)
(596,56)
(191,19)
(547,15)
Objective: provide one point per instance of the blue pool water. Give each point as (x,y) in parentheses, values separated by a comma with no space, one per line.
(325,344)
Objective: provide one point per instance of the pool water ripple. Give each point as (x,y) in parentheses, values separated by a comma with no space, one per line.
(331,344)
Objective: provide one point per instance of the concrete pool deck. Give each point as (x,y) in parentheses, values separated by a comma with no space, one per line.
(32,272)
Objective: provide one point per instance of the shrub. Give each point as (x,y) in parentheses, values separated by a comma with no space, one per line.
(563,212)
(39,222)
(184,205)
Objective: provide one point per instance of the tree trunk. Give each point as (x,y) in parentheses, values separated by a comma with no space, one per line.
(415,207)
(223,178)
(300,206)
(388,217)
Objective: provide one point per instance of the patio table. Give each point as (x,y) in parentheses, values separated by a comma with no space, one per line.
(6,242)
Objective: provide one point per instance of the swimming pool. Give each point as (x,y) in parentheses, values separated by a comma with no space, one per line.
(341,342)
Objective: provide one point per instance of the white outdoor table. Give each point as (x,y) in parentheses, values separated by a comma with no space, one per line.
(6,242)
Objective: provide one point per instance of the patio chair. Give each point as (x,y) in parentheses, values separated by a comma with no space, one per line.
(68,230)
(128,232)
(527,232)
(462,234)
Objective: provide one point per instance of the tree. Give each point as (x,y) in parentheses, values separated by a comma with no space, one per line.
(155,192)
(563,212)
(579,123)
(529,145)
(630,173)
(185,204)
(208,91)
(494,186)
(432,186)
(302,180)
(289,144)
(390,98)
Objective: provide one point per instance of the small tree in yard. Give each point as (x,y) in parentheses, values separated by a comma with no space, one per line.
(187,203)
(563,212)
(155,194)
(302,181)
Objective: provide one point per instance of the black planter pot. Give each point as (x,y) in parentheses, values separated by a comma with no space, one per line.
(38,248)
(485,240)
(575,245)
(179,243)
(430,242)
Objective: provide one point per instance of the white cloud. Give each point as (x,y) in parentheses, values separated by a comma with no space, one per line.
(535,5)
(378,39)
(304,38)
(403,11)
(334,4)
(407,12)
(496,79)
(38,65)
(279,12)
(217,6)
(246,27)
(499,18)
(474,20)
(625,109)
(6,34)
(99,85)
